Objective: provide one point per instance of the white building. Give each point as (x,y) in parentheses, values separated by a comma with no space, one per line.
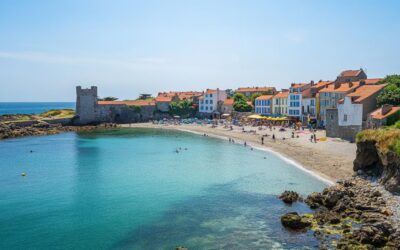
(263,105)
(208,103)
(349,113)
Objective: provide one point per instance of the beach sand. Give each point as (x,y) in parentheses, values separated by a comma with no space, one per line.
(331,159)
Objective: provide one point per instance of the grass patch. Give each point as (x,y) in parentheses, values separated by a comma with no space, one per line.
(385,138)
(58,113)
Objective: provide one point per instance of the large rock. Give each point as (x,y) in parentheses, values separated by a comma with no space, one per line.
(294,221)
(289,197)
(385,165)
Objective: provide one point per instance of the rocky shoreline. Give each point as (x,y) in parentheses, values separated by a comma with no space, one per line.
(353,214)
(13,130)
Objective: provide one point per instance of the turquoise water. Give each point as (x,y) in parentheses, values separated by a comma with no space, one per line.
(129,189)
(11,108)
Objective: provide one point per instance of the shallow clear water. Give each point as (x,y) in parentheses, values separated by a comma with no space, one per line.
(11,108)
(129,189)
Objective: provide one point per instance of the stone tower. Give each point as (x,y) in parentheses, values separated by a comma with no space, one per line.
(86,104)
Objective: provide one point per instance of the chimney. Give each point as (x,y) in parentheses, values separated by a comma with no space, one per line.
(312,83)
(386,108)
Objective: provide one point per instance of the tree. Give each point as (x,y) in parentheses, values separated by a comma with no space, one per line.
(182,108)
(391,93)
(108,98)
(242,106)
(239,97)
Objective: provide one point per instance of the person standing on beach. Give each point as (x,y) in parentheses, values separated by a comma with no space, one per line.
(273,137)
(315,138)
(262,140)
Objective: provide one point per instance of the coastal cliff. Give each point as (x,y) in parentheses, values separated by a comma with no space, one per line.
(378,156)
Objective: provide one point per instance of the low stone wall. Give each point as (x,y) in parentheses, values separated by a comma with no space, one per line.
(334,130)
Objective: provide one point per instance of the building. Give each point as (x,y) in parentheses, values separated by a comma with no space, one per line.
(330,95)
(227,106)
(295,98)
(91,111)
(248,91)
(263,105)
(163,102)
(279,103)
(384,116)
(211,100)
(164,99)
(350,116)
(351,76)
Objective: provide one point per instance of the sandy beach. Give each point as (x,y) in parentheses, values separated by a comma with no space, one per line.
(331,159)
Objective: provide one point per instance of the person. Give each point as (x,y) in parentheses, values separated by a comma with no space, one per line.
(315,138)
(230,140)
(312,138)
(262,140)
(273,137)
(245,144)
(292,134)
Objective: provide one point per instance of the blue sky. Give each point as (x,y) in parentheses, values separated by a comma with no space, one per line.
(132,47)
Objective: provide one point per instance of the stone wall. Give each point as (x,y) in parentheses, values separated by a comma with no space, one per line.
(334,130)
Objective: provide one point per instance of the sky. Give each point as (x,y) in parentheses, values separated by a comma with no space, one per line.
(125,48)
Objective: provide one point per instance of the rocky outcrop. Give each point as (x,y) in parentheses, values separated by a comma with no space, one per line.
(353,214)
(372,161)
(12,130)
(294,221)
(289,197)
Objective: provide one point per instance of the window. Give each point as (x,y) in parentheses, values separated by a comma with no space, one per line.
(345,118)
(206,101)
(206,107)
(211,95)
(211,101)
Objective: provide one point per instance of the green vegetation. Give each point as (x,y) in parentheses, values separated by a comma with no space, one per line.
(58,113)
(108,98)
(183,108)
(386,139)
(240,103)
(135,108)
(391,93)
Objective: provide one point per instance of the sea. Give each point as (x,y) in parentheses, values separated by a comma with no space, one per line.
(146,189)
(13,108)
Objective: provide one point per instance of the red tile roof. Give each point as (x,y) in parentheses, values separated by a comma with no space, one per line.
(298,85)
(321,84)
(350,73)
(343,87)
(265,97)
(228,102)
(377,114)
(129,103)
(163,99)
(180,95)
(364,92)
(255,89)
(282,94)
(211,91)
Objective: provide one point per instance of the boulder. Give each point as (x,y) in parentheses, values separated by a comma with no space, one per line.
(293,220)
(289,197)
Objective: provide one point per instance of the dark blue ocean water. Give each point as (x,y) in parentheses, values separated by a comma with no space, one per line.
(11,108)
(129,189)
